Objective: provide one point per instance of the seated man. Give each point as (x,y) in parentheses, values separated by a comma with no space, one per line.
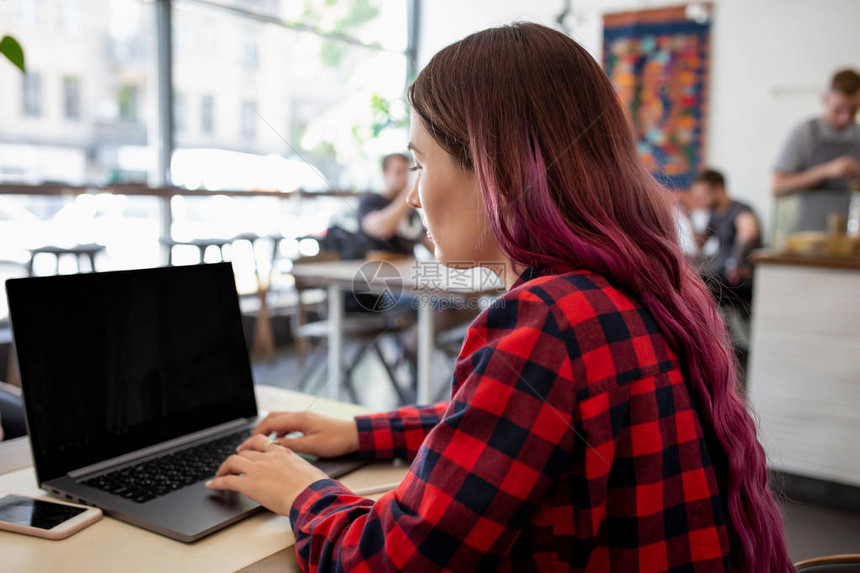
(735,228)
(387,222)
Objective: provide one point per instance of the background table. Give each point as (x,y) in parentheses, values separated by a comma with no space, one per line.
(415,277)
(80,252)
(257,542)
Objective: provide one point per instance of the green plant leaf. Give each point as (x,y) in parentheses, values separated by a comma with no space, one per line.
(10,48)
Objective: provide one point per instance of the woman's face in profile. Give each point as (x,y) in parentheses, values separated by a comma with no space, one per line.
(451,200)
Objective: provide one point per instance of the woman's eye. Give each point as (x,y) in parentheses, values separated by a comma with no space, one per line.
(415,167)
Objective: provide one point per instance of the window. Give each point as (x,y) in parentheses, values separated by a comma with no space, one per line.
(82,137)
(206,38)
(80,55)
(179,119)
(207,114)
(249,49)
(71,97)
(249,119)
(69,14)
(336,104)
(182,38)
(380,23)
(31,96)
(127,101)
(27,12)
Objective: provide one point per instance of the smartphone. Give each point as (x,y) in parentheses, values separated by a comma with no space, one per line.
(44,518)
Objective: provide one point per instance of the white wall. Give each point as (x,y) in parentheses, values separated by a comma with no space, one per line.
(770,59)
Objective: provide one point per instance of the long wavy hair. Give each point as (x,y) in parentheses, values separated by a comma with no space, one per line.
(533,115)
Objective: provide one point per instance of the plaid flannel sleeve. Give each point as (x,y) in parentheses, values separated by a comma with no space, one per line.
(397,434)
(502,442)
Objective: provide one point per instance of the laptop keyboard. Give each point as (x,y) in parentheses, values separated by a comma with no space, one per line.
(159,476)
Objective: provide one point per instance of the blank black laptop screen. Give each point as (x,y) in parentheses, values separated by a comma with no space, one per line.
(113,362)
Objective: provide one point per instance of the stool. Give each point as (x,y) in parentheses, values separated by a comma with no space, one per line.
(201,244)
(79,251)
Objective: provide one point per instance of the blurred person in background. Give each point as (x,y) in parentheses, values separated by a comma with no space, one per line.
(735,228)
(687,239)
(385,224)
(388,223)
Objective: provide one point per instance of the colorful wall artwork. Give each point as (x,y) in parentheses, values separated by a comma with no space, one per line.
(658,61)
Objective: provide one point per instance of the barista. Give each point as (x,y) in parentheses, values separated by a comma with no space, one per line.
(821,157)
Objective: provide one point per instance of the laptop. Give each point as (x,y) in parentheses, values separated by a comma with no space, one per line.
(137,385)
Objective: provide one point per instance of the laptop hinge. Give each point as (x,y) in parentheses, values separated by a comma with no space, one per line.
(159,449)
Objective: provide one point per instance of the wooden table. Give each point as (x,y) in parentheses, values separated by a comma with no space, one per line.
(428,279)
(260,543)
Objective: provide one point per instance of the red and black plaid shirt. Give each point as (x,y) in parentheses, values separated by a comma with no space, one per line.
(570,444)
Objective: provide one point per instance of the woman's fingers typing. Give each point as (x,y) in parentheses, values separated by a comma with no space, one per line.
(234,464)
(304,444)
(321,436)
(281,423)
(257,442)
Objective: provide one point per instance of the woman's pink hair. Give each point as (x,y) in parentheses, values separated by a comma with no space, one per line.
(533,115)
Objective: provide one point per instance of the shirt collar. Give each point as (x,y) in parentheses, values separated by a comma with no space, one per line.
(528,274)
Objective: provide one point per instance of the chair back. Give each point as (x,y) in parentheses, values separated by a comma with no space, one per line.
(849,563)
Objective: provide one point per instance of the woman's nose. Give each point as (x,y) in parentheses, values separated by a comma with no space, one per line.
(412,197)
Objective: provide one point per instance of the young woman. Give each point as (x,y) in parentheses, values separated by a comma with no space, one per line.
(594,423)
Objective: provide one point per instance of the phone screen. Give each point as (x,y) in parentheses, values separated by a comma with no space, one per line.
(36,512)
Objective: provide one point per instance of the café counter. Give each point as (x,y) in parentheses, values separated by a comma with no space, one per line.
(803,381)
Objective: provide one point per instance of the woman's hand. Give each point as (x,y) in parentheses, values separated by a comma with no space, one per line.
(323,436)
(273,478)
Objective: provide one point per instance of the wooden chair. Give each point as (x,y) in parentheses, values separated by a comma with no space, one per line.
(12,423)
(304,307)
(849,563)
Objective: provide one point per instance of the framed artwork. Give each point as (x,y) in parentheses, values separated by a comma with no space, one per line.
(658,61)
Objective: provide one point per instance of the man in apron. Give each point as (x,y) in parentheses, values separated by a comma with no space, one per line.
(821,157)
